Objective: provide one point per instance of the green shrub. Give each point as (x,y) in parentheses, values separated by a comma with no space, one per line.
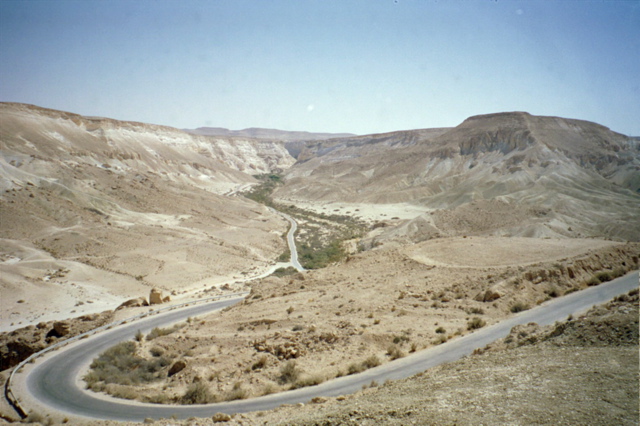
(441,330)
(283,272)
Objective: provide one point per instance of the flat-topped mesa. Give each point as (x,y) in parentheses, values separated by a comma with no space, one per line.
(503,132)
(589,143)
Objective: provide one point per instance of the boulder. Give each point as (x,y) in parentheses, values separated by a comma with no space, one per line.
(488,296)
(61,328)
(132,303)
(221,417)
(155,297)
(177,367)
(166,299)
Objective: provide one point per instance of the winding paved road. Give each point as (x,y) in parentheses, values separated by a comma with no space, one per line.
(291,242)
(55,381)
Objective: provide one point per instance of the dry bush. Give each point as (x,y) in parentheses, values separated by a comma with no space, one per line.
(372,361)
(306,381)
(260,363)
(289,373)
(269,388)
(358,367)
(519,307)
(476,323)
(394,352)
(198,393)
(158,332)
(355,368)
(121,365)
(238,392)
(440,339)
(156,351)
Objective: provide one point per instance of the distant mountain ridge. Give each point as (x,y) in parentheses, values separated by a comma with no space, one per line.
(271,134)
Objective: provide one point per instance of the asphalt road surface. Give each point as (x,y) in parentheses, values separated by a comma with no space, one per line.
(291,241)
(54,381)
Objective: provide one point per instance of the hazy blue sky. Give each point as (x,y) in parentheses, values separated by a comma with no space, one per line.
(338,66)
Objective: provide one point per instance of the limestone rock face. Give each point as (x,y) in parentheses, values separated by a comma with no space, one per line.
(155,297)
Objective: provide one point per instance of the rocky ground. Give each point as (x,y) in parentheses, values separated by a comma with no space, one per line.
(333,321)
(581,371)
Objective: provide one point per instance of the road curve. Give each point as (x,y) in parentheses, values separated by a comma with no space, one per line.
(291,239)
(55,382)
(292,243)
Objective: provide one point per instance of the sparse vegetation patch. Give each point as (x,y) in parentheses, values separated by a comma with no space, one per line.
(320,237)
(123,366)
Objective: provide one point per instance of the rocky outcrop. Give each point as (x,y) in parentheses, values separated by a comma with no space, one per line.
(155,297)
(134,303)
(17,345)
(60,329)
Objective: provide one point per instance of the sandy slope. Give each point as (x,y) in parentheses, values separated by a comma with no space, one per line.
(96,211)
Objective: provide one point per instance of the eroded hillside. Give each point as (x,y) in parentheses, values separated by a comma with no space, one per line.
(95,211)
(559,177)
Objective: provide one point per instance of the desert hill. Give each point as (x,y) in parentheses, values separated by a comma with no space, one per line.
(294,142)
(502,174)
(95,211)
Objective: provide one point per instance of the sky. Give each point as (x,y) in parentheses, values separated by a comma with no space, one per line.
(356,66)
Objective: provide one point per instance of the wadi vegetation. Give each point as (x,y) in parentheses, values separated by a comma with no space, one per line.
(321,238)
